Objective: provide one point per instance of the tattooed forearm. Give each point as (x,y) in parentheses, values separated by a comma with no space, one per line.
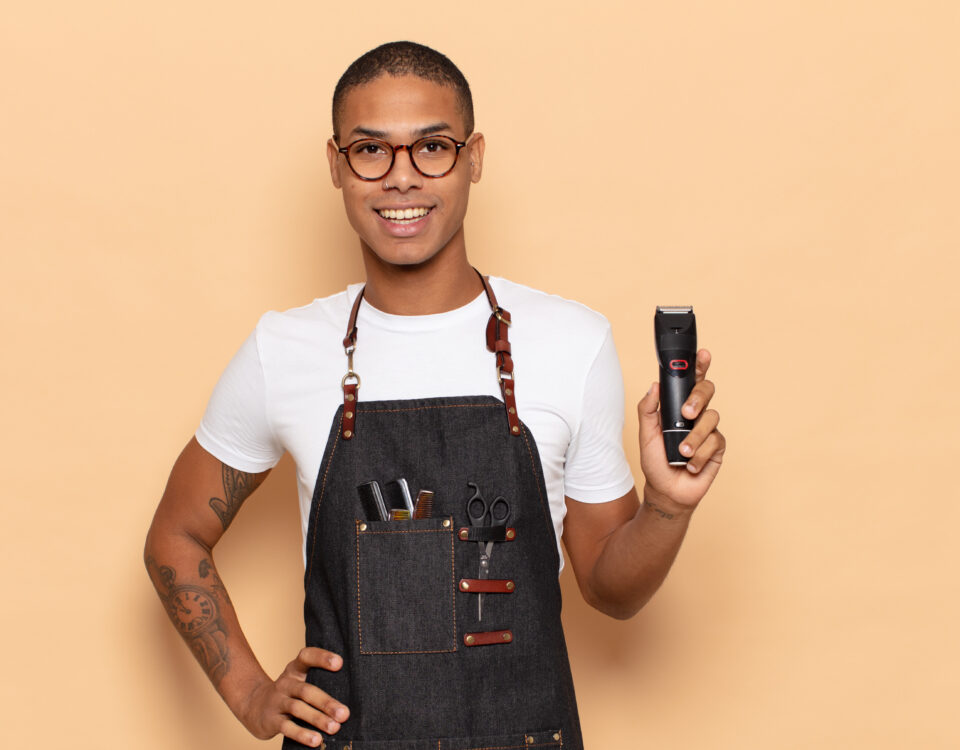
(217,584)
(237,486)
(195,612)
(659,511)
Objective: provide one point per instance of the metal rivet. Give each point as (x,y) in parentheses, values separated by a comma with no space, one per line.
(347,433)
(446,523)
(512,410)
(511,534)
(516,429)
(349,397)
(556,735)
(464,534)
(509,392)
(464,585)
(363,527)
(510,585)
(349,415)
(470,639)
(507,636)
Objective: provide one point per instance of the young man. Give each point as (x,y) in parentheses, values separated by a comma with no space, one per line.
(441,631)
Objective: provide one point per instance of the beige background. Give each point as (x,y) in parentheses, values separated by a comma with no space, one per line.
(789,169)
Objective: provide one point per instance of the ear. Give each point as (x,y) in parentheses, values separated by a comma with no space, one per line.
(475,152)
(333,156)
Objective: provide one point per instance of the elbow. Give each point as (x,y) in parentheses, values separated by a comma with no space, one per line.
(618,608)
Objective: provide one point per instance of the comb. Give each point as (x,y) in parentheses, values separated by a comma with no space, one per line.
(424,506)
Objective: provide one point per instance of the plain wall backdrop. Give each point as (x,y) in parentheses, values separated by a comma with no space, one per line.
(790,169)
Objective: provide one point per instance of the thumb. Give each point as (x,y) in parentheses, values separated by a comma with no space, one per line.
(649,415)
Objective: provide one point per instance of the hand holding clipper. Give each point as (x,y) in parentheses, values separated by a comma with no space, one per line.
(675,331)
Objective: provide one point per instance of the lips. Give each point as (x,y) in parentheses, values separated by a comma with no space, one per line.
(404,222)
(403,215)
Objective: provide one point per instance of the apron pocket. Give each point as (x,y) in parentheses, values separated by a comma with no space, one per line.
(405,586)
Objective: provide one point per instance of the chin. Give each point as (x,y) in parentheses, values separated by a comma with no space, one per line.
(403,258)
(402,254)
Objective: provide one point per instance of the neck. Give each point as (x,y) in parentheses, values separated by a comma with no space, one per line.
(440,284)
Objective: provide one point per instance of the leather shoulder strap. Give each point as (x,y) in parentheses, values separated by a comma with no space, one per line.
(497,342)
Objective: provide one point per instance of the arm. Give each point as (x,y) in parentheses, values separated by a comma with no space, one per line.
(621,551)
(201,499)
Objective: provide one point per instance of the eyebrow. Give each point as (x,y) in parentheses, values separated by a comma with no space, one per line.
(382,135)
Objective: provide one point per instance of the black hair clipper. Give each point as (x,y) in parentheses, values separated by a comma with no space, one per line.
(675,330)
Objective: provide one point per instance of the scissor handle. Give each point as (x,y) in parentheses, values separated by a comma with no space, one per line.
(476,506)
(499,512)
(477,510)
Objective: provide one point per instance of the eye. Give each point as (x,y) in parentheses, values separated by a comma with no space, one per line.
(434,146)
(368,149)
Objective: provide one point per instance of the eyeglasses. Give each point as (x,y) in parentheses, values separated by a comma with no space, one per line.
(372,159)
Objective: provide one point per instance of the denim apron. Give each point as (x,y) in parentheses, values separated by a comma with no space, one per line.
(397,599)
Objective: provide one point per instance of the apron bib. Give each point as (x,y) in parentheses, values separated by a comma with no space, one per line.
(423,669)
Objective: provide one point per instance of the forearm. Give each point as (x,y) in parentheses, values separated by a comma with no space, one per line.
(185,577)
(637,556)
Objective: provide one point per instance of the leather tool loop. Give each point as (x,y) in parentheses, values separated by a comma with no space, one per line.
(490,638)
(487,585)
(486,534)
(348,426)
(351,381)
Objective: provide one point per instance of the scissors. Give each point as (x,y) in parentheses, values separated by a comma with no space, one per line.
(478,512)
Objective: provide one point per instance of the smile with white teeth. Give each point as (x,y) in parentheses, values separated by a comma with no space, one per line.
(403,215)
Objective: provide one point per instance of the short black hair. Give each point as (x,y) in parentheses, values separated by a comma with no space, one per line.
(401,59)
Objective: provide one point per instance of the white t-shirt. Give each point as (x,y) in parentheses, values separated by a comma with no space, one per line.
(281,390)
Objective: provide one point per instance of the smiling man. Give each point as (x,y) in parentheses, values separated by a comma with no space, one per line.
(435,622)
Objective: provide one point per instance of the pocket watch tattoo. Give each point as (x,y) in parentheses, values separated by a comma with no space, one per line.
(195,613)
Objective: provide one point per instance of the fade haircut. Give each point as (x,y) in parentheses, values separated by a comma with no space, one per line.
(401,59)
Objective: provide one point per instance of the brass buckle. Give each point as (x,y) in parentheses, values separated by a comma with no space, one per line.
(499,317)
(500,375)
(350,373)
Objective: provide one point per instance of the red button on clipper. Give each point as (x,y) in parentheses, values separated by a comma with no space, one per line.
(679,364)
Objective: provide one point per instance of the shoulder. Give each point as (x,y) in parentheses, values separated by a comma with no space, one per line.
(315,322)
(550,317)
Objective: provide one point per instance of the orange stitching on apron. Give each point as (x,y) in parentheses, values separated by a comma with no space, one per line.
(533,465)
(411,531)
(452,582)
(571,702)
(323,487)
(438,406)
(359,620)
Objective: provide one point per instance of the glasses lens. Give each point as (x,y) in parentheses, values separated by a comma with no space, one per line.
(434,156)
(371,159)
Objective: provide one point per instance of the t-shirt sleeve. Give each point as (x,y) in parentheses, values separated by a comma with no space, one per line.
(236,427)
(596,468)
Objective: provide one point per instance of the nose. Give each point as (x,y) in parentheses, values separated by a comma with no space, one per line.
(403,175)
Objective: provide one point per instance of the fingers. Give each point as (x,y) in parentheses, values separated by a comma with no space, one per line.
(325,707)
(320,719)
(310,704)
(649,415)
(698,399)
(713,448)
(703,363)
(704,443)
(307,702)
(297,733)
(312,656)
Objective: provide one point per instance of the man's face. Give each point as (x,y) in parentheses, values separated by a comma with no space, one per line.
(400,110)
